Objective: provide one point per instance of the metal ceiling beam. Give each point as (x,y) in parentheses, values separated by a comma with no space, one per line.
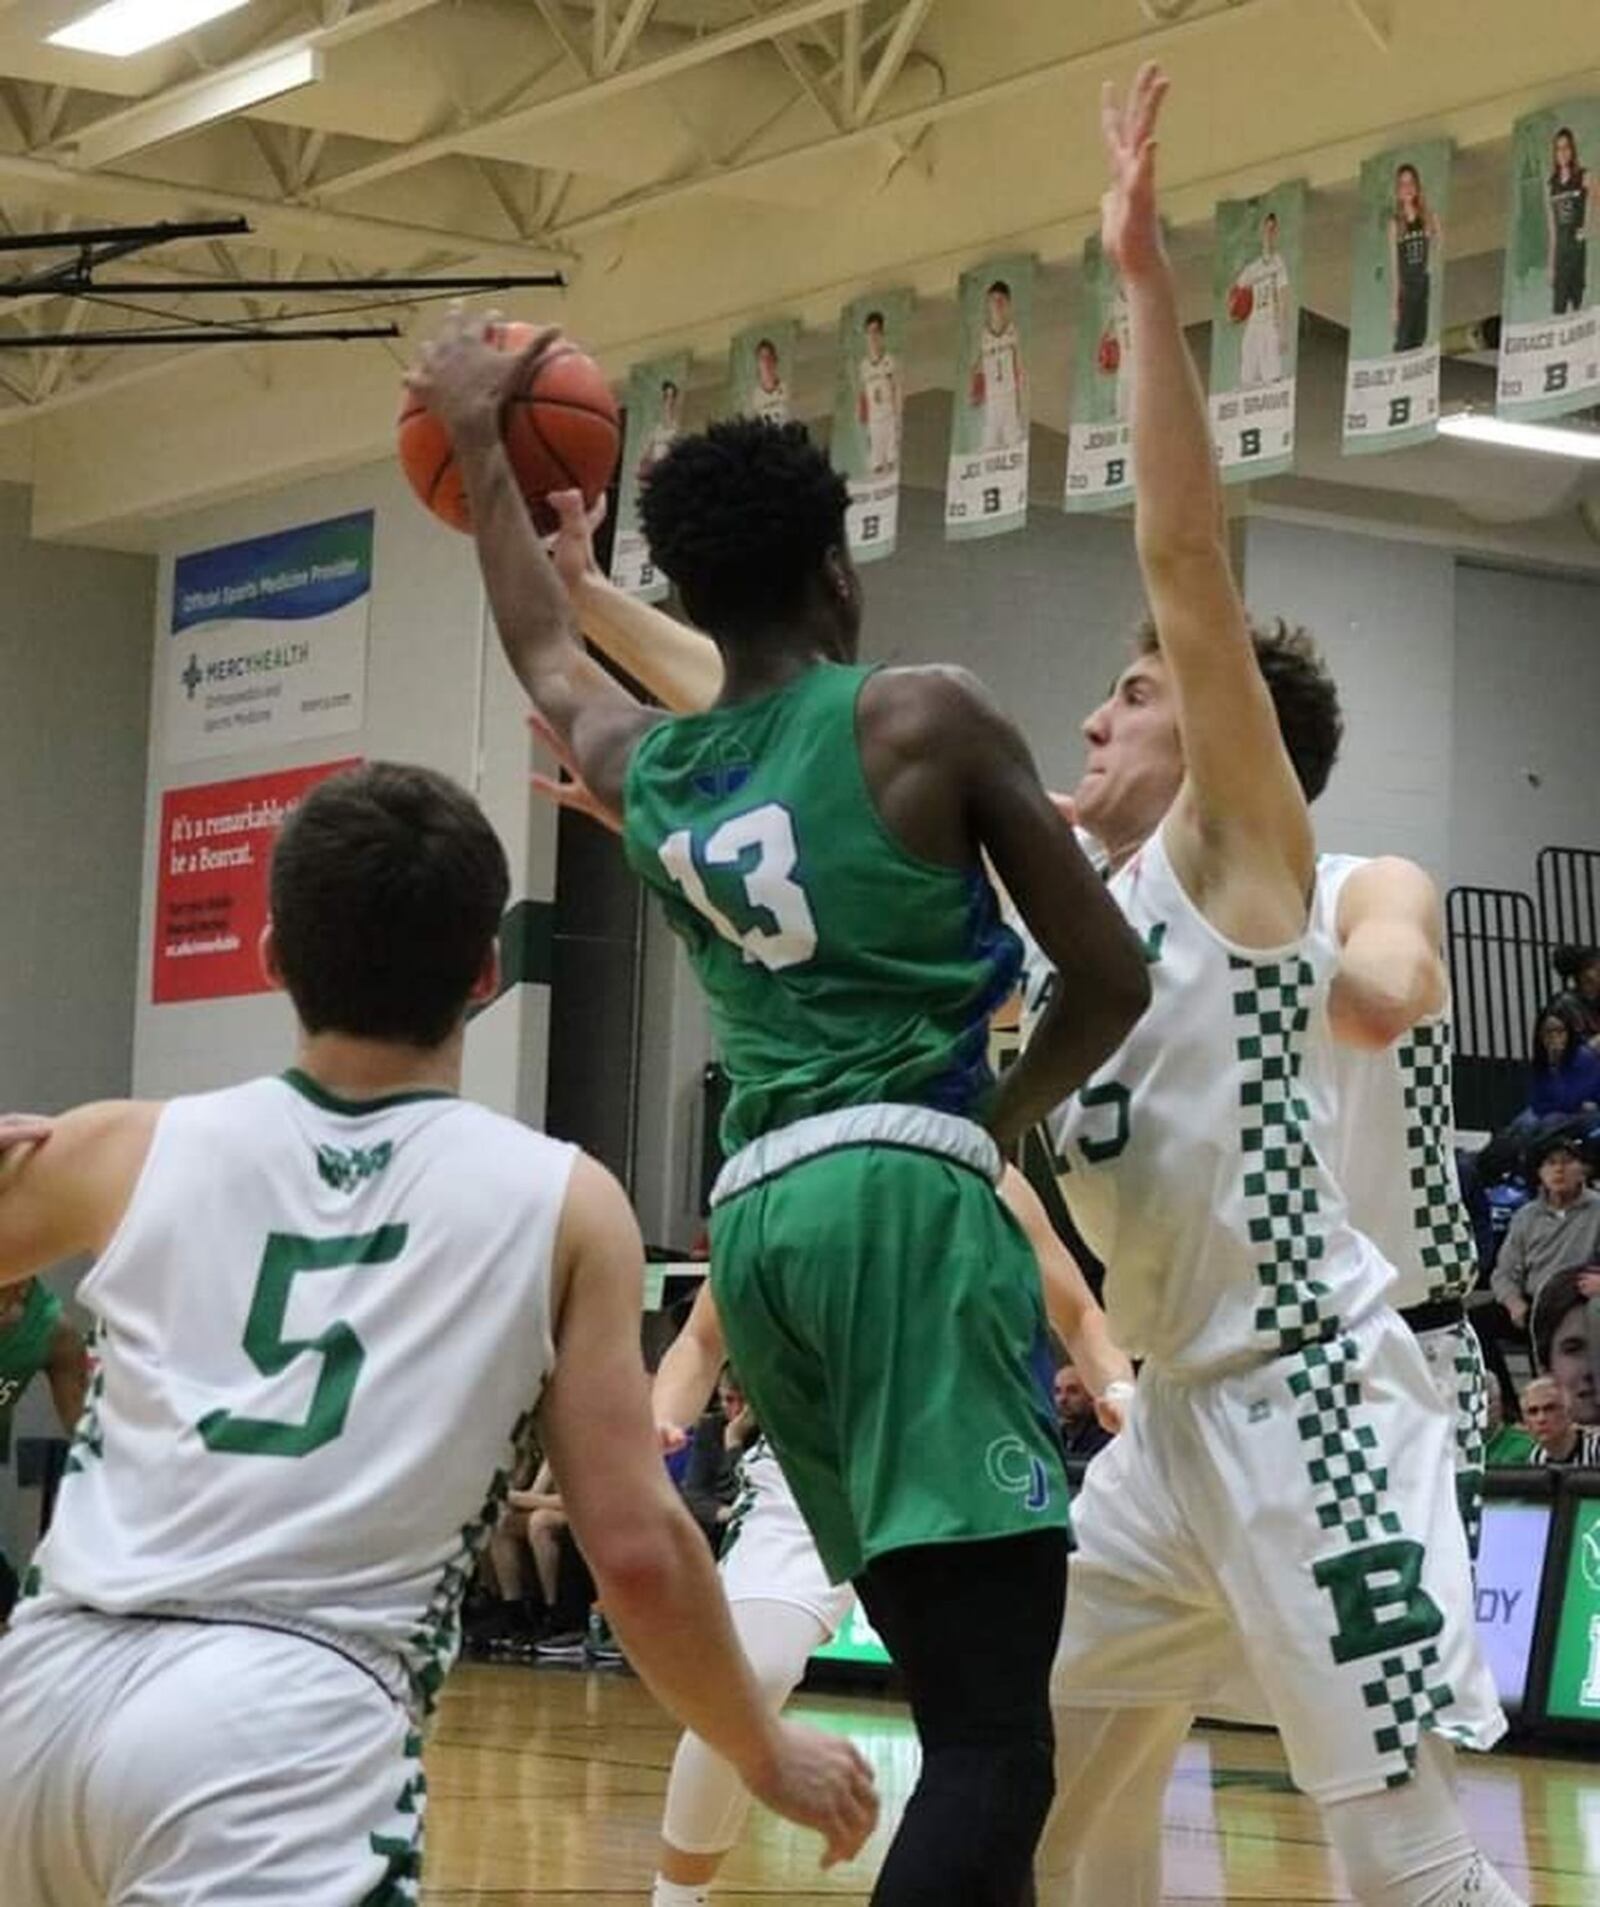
(629,27)
(913,17)
(553,14)
(471,137)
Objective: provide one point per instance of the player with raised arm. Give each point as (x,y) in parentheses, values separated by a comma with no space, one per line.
(817,839)
(1278,1520)
(784,1608)
(324,1304)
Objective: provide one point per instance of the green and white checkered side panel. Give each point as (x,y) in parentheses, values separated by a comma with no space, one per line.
(1444,1236)
(1406,1696)
(88,1438)
(400,1840)
(1271,1011)
(1472,1431)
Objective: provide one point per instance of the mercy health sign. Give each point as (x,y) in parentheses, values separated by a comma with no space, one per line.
(211,884)
(269,640)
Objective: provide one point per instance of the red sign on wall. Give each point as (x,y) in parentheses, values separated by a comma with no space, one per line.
(211,886)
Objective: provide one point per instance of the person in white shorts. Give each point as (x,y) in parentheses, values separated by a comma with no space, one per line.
(769,395)
(1278,1520)
(998,373)
(1266,330)
(324,1305)
(878,380)
(784,1607)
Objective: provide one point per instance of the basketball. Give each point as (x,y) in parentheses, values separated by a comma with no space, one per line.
(561,430)
(1241,302)
(1110,354)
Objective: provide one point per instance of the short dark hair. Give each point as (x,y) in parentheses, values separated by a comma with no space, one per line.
(1569,962)
(669,384)
(999,285)
(872,318)
(766,344)
(388,886)
(1303,692)
(741,517)
(1552,1301)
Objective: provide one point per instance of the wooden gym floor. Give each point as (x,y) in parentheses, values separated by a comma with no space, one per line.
(545,1785)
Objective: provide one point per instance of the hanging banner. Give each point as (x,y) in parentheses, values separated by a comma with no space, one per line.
(868,410)
(986,492)
(1391,387)
(655,413)
(1550,306)
(215,853)
(1099,439)
(269,640)
(1255,331)
(759,365)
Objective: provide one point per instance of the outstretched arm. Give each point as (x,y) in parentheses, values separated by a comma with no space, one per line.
(1390,974)
(467,381)
(67,1194)
(687,1374)
(1241,811)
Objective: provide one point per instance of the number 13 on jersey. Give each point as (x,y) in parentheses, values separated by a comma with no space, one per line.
(760,848)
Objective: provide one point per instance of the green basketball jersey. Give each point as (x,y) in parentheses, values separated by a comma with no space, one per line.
(24,1348)
(840,969)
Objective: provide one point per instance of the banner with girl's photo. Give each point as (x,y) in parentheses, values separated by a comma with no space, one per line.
(1099,438)
(1391,390)
(986,492)
(655,419)
(1550,305)
(1255,331)
(868,414)
(760,365)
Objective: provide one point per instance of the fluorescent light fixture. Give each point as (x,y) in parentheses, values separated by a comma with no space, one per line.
(201,102)
(1546,438)
(124,27)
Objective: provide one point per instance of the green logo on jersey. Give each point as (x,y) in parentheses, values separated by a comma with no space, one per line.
(346,1170)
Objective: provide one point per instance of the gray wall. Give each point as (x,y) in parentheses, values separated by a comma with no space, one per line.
(74,682)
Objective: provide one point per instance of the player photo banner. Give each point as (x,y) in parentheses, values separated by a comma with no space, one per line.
(868,405)
(1550,307)
(1255,331)
(760,364)
(1391,387)
(1099,441)
(655,418)
(986,493)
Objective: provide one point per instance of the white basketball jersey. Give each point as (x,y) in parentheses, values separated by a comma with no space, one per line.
(1384,1122)
(318,1330)
(1188,1162)
(1268,282)
(772,407)
(878,376)
(1001,352)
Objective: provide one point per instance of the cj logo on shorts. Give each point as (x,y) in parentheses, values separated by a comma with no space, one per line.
(1014,1469)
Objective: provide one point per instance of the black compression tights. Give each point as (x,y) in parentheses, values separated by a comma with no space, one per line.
(980,1697)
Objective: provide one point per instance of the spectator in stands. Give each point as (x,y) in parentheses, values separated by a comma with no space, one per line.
(1579,971)
(711,1482)
(1566,1338)
(1558,1229)
(1565,1067)
(1082,1433)
(1507,1444)
(1560,1442)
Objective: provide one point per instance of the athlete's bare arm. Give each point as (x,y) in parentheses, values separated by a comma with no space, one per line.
(467,381)
(953,781)
(67,1371)
(1069,1303)
(687,1374)
(650,1563)
(1390,973)
(1239,834)
(67,1195)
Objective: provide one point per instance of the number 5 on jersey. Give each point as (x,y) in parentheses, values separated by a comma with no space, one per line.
(761,847)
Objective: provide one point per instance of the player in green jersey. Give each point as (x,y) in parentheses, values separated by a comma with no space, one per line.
(817,839)
(35,1339)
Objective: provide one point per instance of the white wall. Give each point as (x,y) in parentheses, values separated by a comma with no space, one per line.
(438,693)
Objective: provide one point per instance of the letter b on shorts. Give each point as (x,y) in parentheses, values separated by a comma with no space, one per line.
(1378,1599)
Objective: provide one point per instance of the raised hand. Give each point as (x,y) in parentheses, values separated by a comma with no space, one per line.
(572,547)
(465,378)
(1130,229)
(567,788)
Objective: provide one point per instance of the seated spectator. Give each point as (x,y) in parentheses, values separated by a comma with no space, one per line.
(1579,970)
(711,1481)
(1566,1338)
(1565,1068)
(1558,1229)
(1082,1433)
(1561,1442)
(1507,1445)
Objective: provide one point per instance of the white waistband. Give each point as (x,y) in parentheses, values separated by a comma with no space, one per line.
(916,1128)
(384,1666)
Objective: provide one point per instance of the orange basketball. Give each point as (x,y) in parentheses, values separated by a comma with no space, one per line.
(1241,302)
(561,432)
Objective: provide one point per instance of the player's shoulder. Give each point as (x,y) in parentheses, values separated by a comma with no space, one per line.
(925,704)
